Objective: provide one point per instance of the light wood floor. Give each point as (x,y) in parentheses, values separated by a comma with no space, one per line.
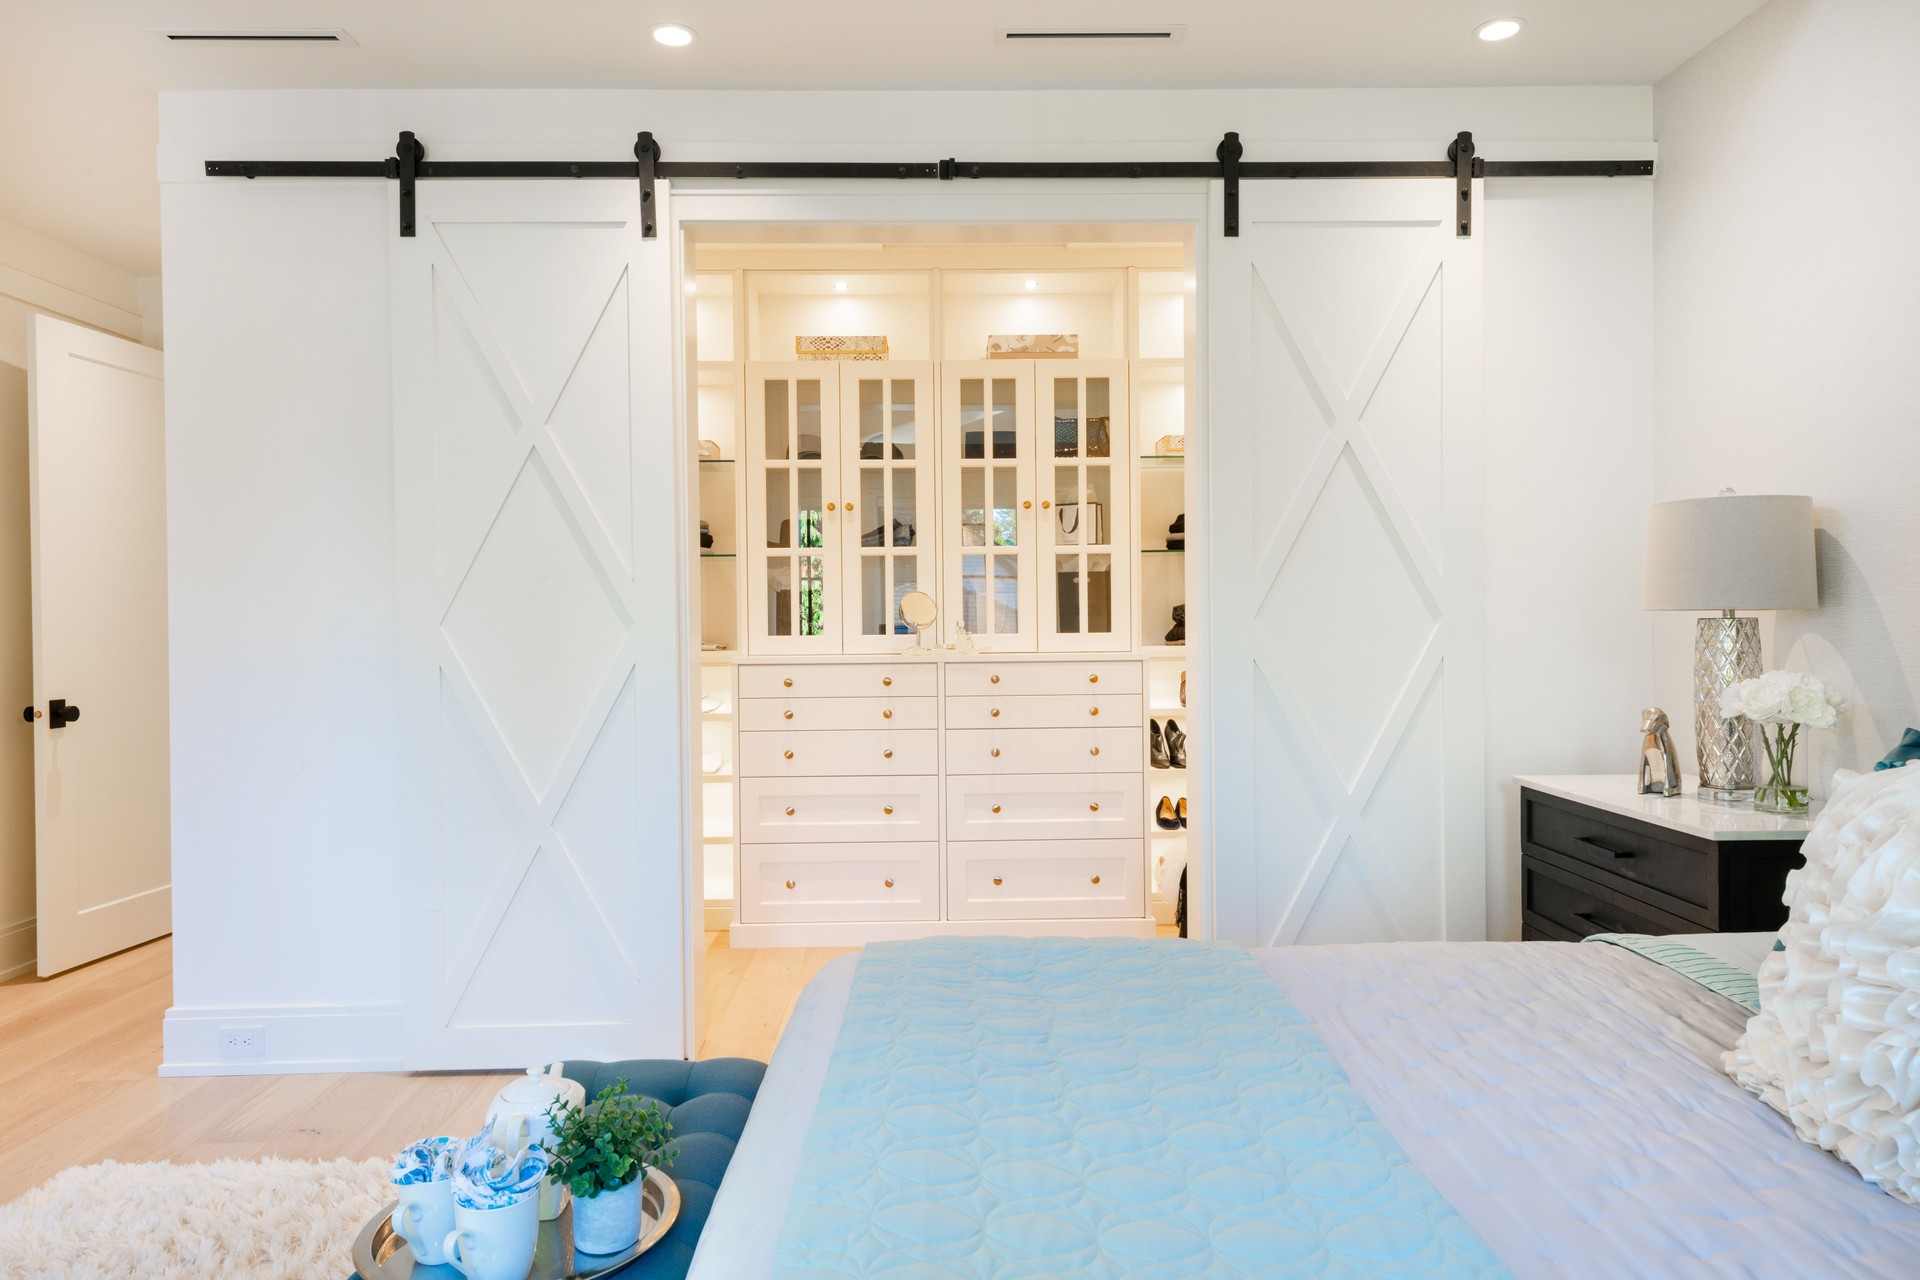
(79,1055)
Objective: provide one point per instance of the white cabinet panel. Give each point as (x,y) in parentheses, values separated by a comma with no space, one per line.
(794,524)
(1006,678)
(890,497)
(1085,526)
(848,753)
(1109,750)
(838,713)
(839,680)
(1059,806)
(1059,712)
(782,884)
(821,810)
(1050,879)
(988,520)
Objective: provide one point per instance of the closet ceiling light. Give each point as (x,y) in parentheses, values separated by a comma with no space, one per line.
(673,35)
(839,286)
(1499,29)
(1032,285)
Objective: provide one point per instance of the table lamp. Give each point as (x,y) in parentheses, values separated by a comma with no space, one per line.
(1733,551)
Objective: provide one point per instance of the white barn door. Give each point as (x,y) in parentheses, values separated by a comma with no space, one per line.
(541,556)
(1342,477)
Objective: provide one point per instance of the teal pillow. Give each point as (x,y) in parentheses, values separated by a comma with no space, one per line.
(1907,752)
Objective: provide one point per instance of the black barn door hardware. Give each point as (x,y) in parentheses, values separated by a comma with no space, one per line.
(409,165)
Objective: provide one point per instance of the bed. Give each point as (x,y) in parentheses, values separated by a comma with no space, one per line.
(1563,1106)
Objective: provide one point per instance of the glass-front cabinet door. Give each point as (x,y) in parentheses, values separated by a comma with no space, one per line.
(1085,523)
(888,456)
(795,530)
(987,507)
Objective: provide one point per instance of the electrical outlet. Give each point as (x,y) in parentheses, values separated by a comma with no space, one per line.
(243,1042)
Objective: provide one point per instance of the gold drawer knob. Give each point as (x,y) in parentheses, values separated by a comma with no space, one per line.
(996,808)
(789,811)
(1094,712)
(996,879)
(887,714)
(788,682)
(887,681)
(995,713)
(1093,751)
(1096,879)
(787,714)
(887,754)
(1094,678)
(995,753)
(789,755)
(1094,807)
(789,884)
(993,679)
(889,884)
(887,809)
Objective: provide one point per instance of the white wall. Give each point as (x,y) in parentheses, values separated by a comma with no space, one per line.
(279,466)
(1787,318)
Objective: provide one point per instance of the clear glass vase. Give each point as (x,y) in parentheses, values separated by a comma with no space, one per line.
(1778,794)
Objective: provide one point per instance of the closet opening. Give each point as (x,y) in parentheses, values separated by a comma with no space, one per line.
(942,483)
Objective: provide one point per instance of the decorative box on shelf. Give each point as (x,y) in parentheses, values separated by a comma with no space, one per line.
(1598,857)
(1170,445)
(1033,346)
(831,347)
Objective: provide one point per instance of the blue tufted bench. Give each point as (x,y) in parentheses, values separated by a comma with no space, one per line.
(707,1104)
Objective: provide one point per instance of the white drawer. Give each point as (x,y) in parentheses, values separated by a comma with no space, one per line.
(839,680)
(827,810)
(851,752)
(839,713)
(1114,750)
(1042,677)
(1046,879)
(1048,806)
(1036,712)
(784,884)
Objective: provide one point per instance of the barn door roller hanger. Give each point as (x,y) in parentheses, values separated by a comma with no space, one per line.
(409,165)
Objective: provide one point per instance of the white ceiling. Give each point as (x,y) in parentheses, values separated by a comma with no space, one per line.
(78,77)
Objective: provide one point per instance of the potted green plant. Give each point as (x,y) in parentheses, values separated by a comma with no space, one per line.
(601,1152)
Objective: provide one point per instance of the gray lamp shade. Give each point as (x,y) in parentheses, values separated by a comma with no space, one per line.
(1734,551)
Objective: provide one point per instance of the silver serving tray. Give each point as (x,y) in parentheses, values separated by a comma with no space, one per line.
(381,1254)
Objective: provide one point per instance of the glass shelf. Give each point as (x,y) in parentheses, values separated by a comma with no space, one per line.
(1163,459)
(717,555)
(1163,551)
(718,462)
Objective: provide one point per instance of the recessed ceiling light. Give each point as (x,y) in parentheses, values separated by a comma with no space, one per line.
(839,286)
(1032,285)
(673,35)
(1499,29)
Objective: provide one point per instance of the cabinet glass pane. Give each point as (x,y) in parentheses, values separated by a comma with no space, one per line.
(1066,418)
(1066,594)
(776,396)
(1099,419)
(874,605)
(973,593)
(1006,595)
(813,596)
(873,499)
(810,509)
(873,419)
(1006,423)
(973,418)
(1005,531)
(1099,594)
(904,518)
(906,577)
(779,508)
(1096,510)
(905,425)
(779,596)
(1067,516)
(973,506)
(807,418)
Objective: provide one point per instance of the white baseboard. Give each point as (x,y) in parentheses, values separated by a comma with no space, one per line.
(19,950)
(719,914)
(293,1040)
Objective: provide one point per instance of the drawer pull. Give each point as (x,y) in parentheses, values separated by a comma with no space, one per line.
(993,679)
(830,506)
(887,714)
(787,715)
(995,713)
(1046,504)
(889,884)
(1094,807)
(1094,712)
(996,879)
(1027,505)
(1096,879)
(849,507)
(887,681)
(788,682)
(887,754)
(1597,847)
(996,808)
(789,884)
(1093,679)
(789,811)
(788,754)
(887,809)
(995,753)
(1093,751)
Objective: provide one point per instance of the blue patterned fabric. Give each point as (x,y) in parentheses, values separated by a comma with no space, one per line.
(1730,980)
(1013,1107)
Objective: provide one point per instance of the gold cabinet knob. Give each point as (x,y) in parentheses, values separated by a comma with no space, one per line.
(1028,504)
(887,714)
(887,681)
(889,884)
(789,884)
(887,809)
(887,754)
(1093,751)
(996,808)
(789,811)
(993,679)
(1096,879)
(1094,678)
(788,682)
(787,714)
(830,506)
(789,755)
(1094,807)
(1094,712)
(1046,506)
(995,753)
(995,713)
(996,879)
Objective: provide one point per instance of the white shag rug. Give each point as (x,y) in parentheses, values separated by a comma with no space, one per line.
(264,1219)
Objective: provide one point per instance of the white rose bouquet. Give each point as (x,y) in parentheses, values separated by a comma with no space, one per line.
(1786,700)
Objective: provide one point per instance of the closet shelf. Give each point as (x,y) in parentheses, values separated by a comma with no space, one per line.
(1163,551)
(718,462)
(718,555)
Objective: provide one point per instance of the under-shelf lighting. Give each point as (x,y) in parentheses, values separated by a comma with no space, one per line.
(1499,29)
(1032,285)
(673,35)
(839,286)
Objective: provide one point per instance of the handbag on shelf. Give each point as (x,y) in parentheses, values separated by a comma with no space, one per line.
(1082,524)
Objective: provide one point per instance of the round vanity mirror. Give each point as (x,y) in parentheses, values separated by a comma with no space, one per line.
(918,611)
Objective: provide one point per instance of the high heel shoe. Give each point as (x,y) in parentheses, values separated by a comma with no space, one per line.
(1180,811)
(1176,746)
(1183,688)
(1166,817)
(1157,747)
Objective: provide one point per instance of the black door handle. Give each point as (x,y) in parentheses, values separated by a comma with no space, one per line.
(29,714)
(59,714)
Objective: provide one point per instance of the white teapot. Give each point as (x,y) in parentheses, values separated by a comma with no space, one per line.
(518,1119)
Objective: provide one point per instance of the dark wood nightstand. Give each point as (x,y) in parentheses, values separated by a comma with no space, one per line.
(1598,858)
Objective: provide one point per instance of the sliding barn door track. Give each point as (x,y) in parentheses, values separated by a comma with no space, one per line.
(409,165)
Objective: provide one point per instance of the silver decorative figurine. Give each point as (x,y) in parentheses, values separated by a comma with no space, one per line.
(1659,770)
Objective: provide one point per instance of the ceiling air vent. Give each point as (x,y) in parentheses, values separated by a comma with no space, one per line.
(1158,33)
(260,35)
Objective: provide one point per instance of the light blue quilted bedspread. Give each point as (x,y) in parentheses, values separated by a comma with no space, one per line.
(1099,1108)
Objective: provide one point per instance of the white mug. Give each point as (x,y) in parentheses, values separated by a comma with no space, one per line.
(424,1217)
(495,1244)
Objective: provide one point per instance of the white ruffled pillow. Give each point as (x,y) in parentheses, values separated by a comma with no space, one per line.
(1836,1045)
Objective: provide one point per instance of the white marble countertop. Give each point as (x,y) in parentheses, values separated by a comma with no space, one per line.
(1686,812)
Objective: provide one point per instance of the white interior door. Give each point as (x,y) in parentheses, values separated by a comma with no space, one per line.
(1342,602)
(97,460)
(544,517)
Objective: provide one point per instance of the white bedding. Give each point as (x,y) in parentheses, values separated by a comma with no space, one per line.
(1567,1099)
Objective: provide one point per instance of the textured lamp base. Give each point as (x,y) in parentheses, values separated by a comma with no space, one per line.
(1726,650)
